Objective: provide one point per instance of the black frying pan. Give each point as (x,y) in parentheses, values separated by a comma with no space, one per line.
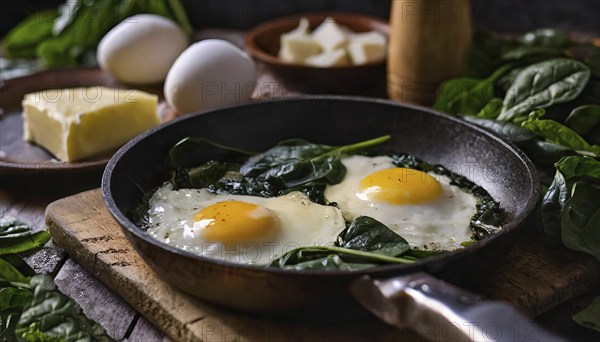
(504,171)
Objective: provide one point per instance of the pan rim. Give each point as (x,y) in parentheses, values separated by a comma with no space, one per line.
(126,223)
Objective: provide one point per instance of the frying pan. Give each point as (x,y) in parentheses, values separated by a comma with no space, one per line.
(138,167)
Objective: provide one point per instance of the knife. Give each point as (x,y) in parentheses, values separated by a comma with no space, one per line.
(440,311)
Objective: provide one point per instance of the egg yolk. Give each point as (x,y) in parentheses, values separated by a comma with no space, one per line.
(399,186)
(235,221)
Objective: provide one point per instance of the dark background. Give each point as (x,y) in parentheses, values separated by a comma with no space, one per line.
(495,15)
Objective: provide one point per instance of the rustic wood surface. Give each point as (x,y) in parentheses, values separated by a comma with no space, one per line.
(555,275)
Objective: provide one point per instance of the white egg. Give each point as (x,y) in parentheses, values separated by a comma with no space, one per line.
(208,74)
(141,49)
(242,229)
(430,216)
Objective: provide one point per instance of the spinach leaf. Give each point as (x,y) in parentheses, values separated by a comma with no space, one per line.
(588,318)
(507,80)
(365,243)
(569,170)
(297,162)
(532,52)
(12,275)
(583,119)
(23,40)
(201,176)
(580,224)
(560,134)
(591,94)
(504,129)
(17,237)
(62,39)
(491,110)
(544,84)
(56,315)
(192,151)
(546,37)
(13,297)
(370,235)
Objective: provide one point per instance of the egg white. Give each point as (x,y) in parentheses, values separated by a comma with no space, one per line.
(302,223)
(442,224)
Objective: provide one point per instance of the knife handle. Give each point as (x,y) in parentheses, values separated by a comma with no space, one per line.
(440,311)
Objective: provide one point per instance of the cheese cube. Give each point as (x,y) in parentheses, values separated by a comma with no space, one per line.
(78,123)
(296,48)
(330,35)
(367,47)
(326,59)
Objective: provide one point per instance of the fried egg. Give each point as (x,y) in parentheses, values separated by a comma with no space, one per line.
(239,228)
(421,207)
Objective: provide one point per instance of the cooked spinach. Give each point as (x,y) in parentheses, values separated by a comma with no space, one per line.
(365,243)
(542,85)
(291,165)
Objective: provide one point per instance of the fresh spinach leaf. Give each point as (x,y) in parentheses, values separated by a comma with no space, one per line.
(13,297)
(23,40)
(491,110)
(583,119)
(560,134)
(23,244)
(12,275)
(590,316)
(56,315)
(544,84)
(533,53)
(370,235)
(504,129)
(580,224)
(569,170)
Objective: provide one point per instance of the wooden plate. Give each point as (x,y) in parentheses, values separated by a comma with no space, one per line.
(28,167)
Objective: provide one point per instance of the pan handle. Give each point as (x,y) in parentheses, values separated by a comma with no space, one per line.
(440,311)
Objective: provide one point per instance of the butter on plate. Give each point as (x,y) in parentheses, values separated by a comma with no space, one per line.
(78,123)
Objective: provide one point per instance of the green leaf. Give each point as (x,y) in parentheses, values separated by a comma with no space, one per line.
(583,119)
(569,170)
(23,40)
(370,235)
(557,133)
(24,243)
(482,58)
(491,110)
(580,224)
(14,298)
(12,275)
(506,130)
(11,227)
(468,96)
(56,316)
(590,316)
(544,84)
(526,52)
(297,162)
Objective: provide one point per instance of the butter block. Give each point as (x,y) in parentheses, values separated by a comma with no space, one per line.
(367,47)
(326,59)
(330,35)
(78,123)
(296,48)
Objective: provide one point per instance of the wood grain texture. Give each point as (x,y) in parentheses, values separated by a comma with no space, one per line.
(83,227)
(531,277)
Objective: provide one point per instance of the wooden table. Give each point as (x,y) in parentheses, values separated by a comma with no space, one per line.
(123,323)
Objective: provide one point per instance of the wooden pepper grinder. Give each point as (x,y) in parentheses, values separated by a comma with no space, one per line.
(429,41)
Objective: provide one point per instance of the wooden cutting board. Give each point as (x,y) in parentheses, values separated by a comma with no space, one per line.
(532,277)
